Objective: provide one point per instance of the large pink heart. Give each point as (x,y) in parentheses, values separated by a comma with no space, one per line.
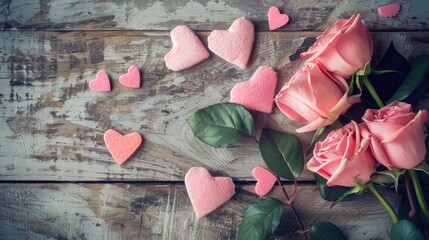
(258,92)
(187,49)
(275,19)
(122,147)
(131,78)
(265,180)
(101,83)
(206,192)
(235,44)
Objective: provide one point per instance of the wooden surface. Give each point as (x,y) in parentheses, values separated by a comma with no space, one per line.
(52,124)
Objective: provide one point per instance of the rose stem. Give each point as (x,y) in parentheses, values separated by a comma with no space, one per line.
(292,207)
(384,202)
(419,193)
(413,215)
(372,91)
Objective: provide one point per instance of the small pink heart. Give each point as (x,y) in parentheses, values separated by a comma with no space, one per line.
(275,19)
(101,83)
(235,44)
(122,147)
(390,10)
(187,50)
(206,192)
(265,180)
(132,78)
(258,92)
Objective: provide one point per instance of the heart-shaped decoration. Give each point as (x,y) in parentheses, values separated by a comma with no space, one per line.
(258,92)
(187,50)
(276,19)
(132,78)
(101,83)
(235,44)
(390,10)
(206,192)
(265,180)
(122,147)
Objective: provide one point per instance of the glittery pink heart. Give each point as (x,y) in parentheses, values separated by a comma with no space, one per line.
(187,50)
(206,192)
(258,92)
(276,19)
(101,83)
(122,146)
(132,78)
(235,44)
(390,10)
(265,180)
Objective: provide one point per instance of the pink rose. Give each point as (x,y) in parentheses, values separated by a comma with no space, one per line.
(396,135)
(342,48)
(314,96)
(343,157)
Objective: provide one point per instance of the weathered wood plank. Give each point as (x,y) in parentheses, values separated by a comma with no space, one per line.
(305,15)
(52,124)
(4,12)
(121,211)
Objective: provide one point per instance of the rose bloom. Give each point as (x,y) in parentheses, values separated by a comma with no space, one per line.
(342,48)
(343,157)
(315,97)
(397,135)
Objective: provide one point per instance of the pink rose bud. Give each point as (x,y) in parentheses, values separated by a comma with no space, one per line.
(396,135)
(343,48)
(315,97)
(343,157)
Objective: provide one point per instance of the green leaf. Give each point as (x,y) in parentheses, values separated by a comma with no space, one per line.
(260,220)
(222,124)
(415,84)
(354,191)
(405,230)
(388,177)
(422,167)
(387,83)
(331,193)
(326,231)
(316,137)
(282,153)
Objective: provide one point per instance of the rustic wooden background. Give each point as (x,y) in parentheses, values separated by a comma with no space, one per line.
(57,179)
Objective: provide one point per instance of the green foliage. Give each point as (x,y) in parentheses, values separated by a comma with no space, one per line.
(354,191)
(422,167)
(405,230)
(387,76)
(260,220)
(326,231)
(282,153)
(415,84)
(331,193)
(388,177)
(222,124)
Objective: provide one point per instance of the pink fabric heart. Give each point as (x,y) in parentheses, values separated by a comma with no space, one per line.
(265,180)
(101,83)
(132,78)
(122,147)
(276,19)
(187,49)
(206,192)
(235,44)
(258,92)
(390,10)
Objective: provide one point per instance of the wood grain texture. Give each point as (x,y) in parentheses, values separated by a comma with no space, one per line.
(305,15)
(136,211)
(53,124)
(4,12)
